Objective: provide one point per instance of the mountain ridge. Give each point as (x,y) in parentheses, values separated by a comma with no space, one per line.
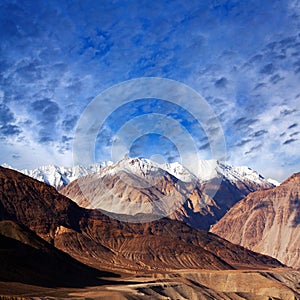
(60,176)
(133,186)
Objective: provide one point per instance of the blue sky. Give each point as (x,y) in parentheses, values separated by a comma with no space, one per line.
(242,56)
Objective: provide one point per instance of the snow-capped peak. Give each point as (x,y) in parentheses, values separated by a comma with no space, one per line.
(206,170)
(145,167)
(137,166)
(61,176)
(179,171)
(240,173)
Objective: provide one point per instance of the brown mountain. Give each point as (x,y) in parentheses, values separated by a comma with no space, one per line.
(228,193)
(96,239)
(267,222)
(134,186)
(27,258)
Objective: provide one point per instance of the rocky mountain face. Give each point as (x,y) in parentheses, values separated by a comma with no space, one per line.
(100,241)
(267,222)
(134,186)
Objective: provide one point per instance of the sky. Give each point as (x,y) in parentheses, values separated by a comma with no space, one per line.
(242,57)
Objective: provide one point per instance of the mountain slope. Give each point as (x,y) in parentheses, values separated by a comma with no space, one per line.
(29,259)
(98,240)
(267,222)
(134,186)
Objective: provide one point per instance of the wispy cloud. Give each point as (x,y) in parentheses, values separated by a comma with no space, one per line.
(242,56)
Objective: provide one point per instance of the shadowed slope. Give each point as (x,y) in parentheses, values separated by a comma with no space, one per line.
(27,258)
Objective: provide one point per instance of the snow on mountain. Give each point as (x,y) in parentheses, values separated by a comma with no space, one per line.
(180,172)
(207,170)
(7,166)
(135,186)
(210,169)
(138,166)
(61,176)
(241,173)
(273,181)
(145,168)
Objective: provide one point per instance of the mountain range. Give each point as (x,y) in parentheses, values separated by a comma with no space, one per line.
(60,176)
(134,186)
(92,235)
(47,239)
